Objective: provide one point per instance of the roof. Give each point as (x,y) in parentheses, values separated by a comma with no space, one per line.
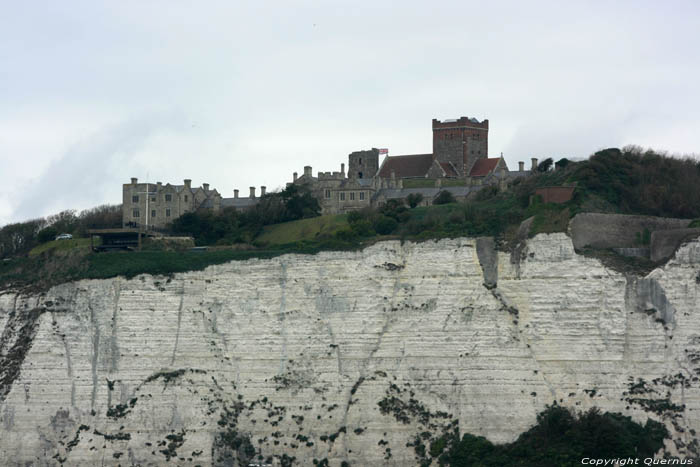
(406,166)
(449,169)
(484,166)
(238,202)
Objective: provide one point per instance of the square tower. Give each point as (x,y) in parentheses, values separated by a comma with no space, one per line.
(460,141)
(363,164)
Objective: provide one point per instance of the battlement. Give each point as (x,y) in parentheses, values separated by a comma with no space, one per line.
(331,176)
(462,122)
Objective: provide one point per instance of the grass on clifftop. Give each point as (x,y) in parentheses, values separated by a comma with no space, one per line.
(302,230)
(61,245)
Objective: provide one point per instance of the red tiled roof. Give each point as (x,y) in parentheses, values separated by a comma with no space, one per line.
(449,169)
(484,167)
(406,166)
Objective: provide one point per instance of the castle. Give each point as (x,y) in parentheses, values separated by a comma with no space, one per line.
(459,164)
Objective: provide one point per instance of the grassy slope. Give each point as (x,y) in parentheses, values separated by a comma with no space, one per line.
(60,245)
(304,229)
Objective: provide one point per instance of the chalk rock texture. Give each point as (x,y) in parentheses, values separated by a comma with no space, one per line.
(344,356)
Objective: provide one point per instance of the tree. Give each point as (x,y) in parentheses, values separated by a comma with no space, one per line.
(414,199)
(545,165)
(47,234)
(562,163)
(385,225)
(444,197)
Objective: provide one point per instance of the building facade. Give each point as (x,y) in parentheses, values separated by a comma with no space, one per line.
(155,205)
(460,156)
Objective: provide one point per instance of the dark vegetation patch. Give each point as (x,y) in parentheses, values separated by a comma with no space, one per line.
(169,376)
(174,441)
(560,438)
(114,437)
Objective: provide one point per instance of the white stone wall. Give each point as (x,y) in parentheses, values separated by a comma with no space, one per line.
(293,349)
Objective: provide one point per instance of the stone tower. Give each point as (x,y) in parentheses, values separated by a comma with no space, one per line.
(460,141)
(363,164)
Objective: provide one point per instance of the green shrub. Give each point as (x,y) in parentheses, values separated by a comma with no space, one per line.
(385,225)
(444,197)
(414,199)
(560,438)
(47,234)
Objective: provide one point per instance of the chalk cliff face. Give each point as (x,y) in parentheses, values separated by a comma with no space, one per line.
(345,356)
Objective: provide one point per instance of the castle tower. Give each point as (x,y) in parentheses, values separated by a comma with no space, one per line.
(363,164)
(460,141)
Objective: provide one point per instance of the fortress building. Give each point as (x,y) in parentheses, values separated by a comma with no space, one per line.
(155,205)
(459,164)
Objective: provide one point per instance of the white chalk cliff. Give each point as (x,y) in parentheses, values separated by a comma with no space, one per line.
(344,356)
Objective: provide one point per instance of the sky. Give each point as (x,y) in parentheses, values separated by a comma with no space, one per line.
(239,94)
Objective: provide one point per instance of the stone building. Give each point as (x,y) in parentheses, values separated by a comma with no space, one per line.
(459,145)
(155,205)
(459,163)
(338,192)
(460,152)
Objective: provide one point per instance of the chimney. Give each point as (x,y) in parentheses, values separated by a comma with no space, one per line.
(521,166)
(534,164)
(188,183)
(134,180)
(262,191)
(252,192)
(235,194)
(342,169)
(160,185)
(205,186)
(295,176)
(307,171)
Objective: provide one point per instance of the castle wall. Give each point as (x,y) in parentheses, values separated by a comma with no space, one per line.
(616,230)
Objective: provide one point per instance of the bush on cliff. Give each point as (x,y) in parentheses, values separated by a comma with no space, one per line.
(561,438)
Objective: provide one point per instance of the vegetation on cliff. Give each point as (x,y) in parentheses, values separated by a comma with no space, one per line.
(627,181)
(560,438)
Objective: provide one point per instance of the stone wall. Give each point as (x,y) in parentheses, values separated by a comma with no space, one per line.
(664,243)
(345,356)
(616,230)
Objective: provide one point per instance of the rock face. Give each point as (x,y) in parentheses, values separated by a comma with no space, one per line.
(345,356)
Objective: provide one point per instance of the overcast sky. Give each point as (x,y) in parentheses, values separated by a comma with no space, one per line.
(238,94)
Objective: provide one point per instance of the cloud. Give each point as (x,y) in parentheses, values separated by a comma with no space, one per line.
(89,172)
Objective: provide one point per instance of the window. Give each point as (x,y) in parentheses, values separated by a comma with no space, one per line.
(153,198)
(167,213)
(328,194)
(352,196)
(168,197)
(362,195)
(153,213)
(359,161)
(185,198)
(135,213)
(135,199)
(342,196)
(359,174)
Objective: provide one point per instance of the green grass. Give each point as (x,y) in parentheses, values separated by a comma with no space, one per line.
(302,230)
(430,182)
(60,245)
